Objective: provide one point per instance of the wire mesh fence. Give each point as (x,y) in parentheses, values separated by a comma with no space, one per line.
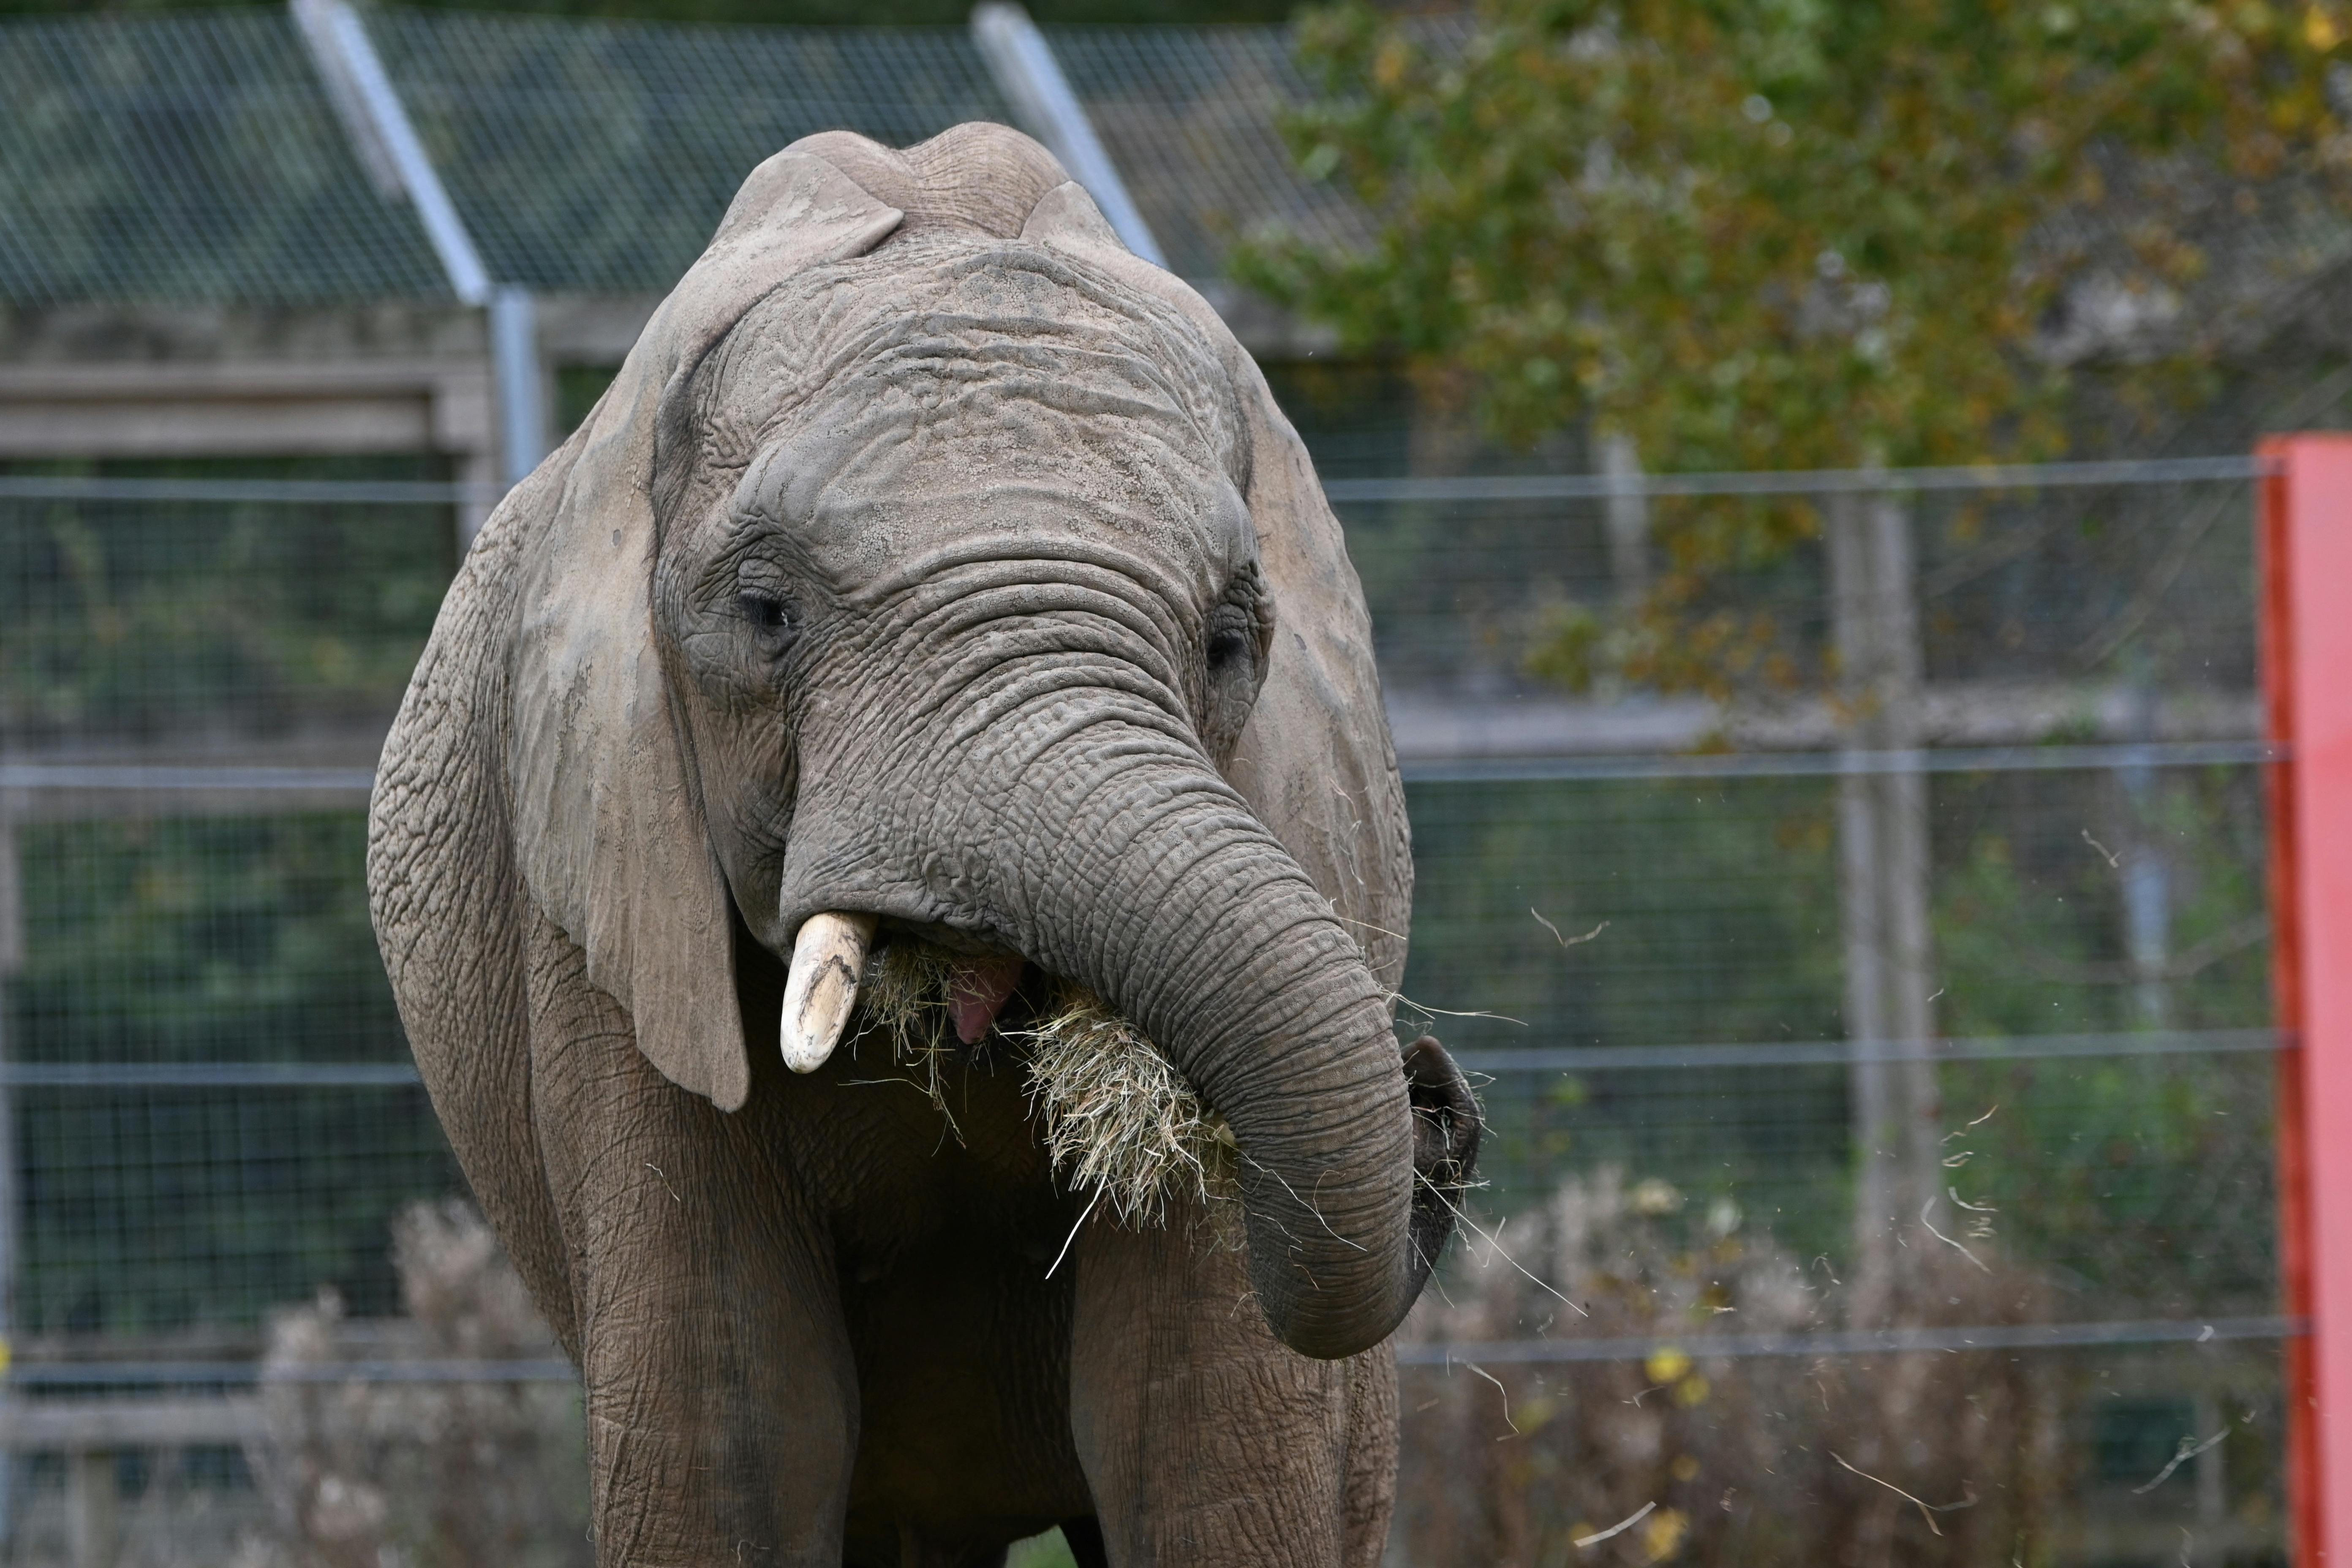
(1898,986)
(1194,118)
(1875,1044)
(547,128)
(186,158)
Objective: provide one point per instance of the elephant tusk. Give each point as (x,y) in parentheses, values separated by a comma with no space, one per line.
(828,955)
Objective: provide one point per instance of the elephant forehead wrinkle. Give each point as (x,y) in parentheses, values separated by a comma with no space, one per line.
(1031,425)
(1079,296)
(942,543)
(862,494)
(1002,730)
(834,323)
(959,566)
(1014,712)
(1176,544)
(937,341)
(1080,378)
(944,613)
(1041,412)
(997,282)
(827,319)
(1073,651)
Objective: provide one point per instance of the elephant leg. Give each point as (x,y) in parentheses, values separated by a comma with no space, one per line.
(1085,1538)
(1371,1454)
(453,924)
(916,1552)
(1205,1441)
(721,1393)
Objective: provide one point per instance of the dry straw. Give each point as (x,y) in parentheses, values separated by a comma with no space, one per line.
(1120,1123)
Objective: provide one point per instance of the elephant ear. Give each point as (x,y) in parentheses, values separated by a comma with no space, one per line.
(611,833)
(1315,761)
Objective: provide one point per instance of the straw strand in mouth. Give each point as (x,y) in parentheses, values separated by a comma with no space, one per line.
(1120,1123)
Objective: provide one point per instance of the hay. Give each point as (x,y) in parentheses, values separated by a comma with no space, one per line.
(1121,1121)
(903,998)
(1121,1125)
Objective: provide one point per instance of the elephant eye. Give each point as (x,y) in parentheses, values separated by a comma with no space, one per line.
(1232,647)
(1229,648)
(769,617)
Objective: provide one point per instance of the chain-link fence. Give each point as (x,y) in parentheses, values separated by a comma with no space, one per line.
(1855,897)
(192,157)
(1851,899)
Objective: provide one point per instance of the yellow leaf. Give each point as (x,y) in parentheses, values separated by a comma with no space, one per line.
(1663,1536)
(2320,31)
(1666,1365)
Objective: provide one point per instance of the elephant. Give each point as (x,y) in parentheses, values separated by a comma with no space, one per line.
(935,579)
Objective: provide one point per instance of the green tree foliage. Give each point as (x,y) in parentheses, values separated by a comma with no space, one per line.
(1782,235)
(141,618)
(204,939)
(196,940)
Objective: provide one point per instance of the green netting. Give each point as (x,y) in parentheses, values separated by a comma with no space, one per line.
(1191,116)
(600,155)
(190,158)
(154,622)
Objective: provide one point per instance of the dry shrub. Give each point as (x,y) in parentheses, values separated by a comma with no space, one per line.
(424,1474)
(1740,1461)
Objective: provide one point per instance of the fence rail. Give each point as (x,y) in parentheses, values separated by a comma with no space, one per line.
(1842,765)
(1481,488)
(1856,1342)
(1804,481)
(229,1373)
(265,492)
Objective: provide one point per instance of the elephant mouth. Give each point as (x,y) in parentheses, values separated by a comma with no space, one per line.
(1120,1123)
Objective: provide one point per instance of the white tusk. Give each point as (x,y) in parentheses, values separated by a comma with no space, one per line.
(828,956)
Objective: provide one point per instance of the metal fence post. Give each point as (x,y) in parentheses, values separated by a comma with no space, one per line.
(387,144)
(93,1507)
(1883,853)
(2305,536)
(11,960)
(519,380)
(1627,517)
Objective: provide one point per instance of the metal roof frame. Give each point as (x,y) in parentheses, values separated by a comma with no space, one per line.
(1024,65)
(385,140)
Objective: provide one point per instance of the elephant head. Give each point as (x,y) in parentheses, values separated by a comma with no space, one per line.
(934,563)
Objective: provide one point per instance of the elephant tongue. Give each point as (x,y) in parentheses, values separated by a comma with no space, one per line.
(977,992)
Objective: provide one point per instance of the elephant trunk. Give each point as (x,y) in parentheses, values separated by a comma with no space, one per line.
(1175,903)
(1110,852)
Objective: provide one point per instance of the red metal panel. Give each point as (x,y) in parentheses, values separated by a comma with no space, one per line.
(2306,533)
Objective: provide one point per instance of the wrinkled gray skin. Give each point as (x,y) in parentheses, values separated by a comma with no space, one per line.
(932,557)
